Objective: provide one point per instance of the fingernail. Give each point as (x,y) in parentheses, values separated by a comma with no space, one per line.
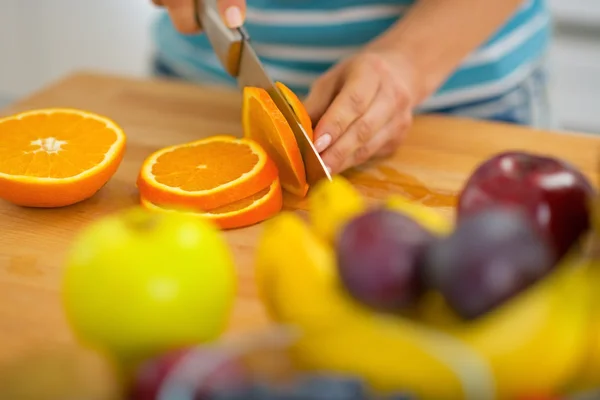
(233,17)
(323,142)
(328,169)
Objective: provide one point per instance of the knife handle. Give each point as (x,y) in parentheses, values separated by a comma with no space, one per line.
(226,42)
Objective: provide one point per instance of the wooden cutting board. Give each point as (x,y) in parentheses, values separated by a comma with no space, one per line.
(432,165)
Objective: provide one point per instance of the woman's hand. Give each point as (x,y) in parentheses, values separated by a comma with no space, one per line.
(182,13)
(363,107)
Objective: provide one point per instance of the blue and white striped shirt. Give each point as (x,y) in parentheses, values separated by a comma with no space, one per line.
(299,39)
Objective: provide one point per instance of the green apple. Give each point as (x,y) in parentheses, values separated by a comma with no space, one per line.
(137,283)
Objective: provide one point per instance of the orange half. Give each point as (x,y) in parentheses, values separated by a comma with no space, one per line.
(206,174)
(248,211)
(56,157)
(263,122)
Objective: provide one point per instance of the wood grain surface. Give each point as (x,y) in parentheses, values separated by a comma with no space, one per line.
(437,157)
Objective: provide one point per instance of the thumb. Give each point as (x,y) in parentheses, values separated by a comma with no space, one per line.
(233,12)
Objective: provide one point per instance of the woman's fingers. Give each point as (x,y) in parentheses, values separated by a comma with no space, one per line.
(383,144)
(352,101)
(323,90)
(182,13)
(356,144)
(378,132)
(319,98)
(233,12)
(368,115)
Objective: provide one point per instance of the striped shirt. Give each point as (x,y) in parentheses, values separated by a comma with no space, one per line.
(300,39)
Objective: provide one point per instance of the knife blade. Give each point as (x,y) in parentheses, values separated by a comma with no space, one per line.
(239,59)
(252,73)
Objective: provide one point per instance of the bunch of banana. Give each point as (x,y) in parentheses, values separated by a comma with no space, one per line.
(589,373)
(536,343)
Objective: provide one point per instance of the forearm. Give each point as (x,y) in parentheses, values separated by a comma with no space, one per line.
(436,35)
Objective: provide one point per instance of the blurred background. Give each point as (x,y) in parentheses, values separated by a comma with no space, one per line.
(45,40)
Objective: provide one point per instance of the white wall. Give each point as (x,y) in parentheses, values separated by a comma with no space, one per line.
(41,40)
(576,64)
(579,11)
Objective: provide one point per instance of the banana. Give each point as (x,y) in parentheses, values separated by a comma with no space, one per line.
(588,377)
(533,344)
(591,374)
(331,205)
(334,203)
(536,342)
(339,334)
(426,216)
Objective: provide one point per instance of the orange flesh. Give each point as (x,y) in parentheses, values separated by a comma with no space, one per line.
(264,130)
(245,212)
(241,204)
(234,206)
(298,108)
(204,167)
(37,149)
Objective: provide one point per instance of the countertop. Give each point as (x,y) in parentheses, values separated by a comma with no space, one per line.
(431,166)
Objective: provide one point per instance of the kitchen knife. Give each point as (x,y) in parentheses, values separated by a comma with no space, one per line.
(232,47)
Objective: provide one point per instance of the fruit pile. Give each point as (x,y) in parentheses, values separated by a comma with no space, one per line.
(232,182)
(472,306)
(220,372)
(518,215)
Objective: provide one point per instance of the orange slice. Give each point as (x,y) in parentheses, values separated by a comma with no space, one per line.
(248,211)
(298,108)
(263,122)
(206,174)
(56,157)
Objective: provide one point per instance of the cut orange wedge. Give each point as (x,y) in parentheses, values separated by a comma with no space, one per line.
(263,122)
(57,157)
(248,211)
(298,108)
(206,174)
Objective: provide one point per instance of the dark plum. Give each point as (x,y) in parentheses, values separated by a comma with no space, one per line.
(151,374)
(206,370)
(490,257)
(378,255)
(553,193)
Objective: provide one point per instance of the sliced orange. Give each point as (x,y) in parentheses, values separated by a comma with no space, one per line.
(248,211)
(56,157)
(298,108)
(263,122)
(206,174)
